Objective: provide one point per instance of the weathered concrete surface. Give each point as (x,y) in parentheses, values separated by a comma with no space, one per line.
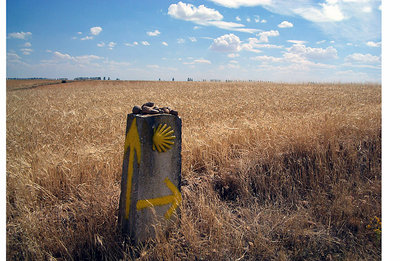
(150,195)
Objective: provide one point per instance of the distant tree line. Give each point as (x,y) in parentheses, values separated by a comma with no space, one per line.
(61,79)
(87,78)
(31,78)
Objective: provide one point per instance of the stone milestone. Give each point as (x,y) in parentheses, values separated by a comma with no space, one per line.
(151,172)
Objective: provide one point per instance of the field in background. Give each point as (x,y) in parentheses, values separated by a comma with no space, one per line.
(13,85)
(270,171)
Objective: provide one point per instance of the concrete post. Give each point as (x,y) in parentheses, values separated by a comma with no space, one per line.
(151,174)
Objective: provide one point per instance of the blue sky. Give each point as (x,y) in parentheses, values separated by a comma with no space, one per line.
(325,40)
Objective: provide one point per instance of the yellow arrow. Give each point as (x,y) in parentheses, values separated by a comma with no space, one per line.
(132,142)
(175,199)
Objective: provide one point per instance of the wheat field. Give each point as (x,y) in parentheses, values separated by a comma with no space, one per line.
(270,171)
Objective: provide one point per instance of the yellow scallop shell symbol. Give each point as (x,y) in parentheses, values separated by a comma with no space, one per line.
(162,138)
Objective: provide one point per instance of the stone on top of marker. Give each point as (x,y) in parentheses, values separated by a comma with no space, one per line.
(151,108)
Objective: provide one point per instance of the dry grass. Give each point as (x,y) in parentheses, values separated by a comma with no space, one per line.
(270,171)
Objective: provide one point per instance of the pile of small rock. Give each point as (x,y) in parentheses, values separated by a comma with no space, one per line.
(150,108)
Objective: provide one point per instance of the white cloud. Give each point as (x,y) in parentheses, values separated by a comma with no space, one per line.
(297,41)
(86,59)
(248,20)
(323,12)
(153,66)
(359,65)
(232,43)
(155,33)
(26,51)
(233,64)
(199,61)
(266,58)
(251,45)
(193,39)
(164,43)
(330,12)
(12,57)
(206,37)
(62,56)
(189,12)
(231,26)
(352,76)
(362,58)
(79,32)
(233,55)
(272,46)
(83,59)
(285,24)
(293,58)
(263,21)
(254,43)
(226,43)
(20,35)
(87,38)
(83,65)
(373,44)
(180,41)
(15,60)
(202,61)
(111,45)
(322,41)
(367,9)
(113,64)
(145,43)
(239,3)
(264,35)
(313,53)
(356,1)
(205,16)
(131,44)
(345,19)
(27,44)
(238,18)
(256,18)
(96,30)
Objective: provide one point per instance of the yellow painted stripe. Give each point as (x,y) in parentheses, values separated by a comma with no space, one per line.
(175,199)
(132,142)
(141,204)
